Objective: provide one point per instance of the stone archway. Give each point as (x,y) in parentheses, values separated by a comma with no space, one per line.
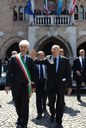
(46,43)
(5,46)
(81,40)
(81,44)
(13,47)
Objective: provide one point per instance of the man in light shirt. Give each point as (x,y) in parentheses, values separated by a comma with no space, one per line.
(41,87)
(78,71)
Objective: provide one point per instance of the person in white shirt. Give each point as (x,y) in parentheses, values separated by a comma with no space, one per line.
(78,71)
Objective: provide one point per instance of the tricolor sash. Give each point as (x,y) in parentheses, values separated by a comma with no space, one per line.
(25,71)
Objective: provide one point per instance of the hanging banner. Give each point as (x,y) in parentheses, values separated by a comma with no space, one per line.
(46,7)
(28,9)
(71,6)
(59,4)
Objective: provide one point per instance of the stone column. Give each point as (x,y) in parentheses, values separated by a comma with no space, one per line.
(31,36)
(71,32)
(72,19)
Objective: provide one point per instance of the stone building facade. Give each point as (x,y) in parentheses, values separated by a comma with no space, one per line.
(42,31)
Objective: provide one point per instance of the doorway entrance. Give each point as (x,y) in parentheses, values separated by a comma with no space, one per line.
(13,47)
(49,42)
(81,46)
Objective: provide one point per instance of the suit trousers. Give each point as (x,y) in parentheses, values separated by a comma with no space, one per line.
(21,100)
(52,98)
(78,83)
(60,91)
(40,96)
(56,103)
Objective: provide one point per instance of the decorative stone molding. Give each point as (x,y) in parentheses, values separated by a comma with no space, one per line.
(1,33)
(41,43)
(7,44)
(15,2)
(81,40)
(82,33)
(20,33)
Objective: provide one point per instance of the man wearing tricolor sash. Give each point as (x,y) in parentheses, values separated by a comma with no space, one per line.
(21,74)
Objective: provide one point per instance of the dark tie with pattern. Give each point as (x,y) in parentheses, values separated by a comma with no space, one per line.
(23,58)
(55,62)
(41,72)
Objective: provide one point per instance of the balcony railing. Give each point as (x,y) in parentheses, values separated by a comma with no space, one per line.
(52,20)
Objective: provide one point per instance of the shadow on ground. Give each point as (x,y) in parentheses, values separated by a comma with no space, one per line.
(71,111)
(44,121)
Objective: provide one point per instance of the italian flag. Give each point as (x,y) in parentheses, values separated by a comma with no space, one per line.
(46,7)
(71,6)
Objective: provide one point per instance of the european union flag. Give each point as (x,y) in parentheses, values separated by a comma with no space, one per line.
(60,2)
(28,9)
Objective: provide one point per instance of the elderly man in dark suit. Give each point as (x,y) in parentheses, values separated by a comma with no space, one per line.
(79,71)
(19,76)
(58,71)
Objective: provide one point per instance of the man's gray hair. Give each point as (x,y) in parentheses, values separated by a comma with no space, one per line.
(24,42)
(14,52)
(55,46)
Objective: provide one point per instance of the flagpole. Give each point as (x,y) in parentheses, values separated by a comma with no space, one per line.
(33,4)
(31,16)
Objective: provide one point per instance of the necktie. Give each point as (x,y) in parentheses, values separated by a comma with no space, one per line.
(24,58)
(55,62)
(41,72)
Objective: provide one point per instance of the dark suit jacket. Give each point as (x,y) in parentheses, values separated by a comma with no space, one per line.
(0,66)
(57,79)
(77,66)
(15,75)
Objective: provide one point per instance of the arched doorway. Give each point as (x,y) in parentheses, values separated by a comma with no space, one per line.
(46,45)
(81,46)
(13,47)
(8,46)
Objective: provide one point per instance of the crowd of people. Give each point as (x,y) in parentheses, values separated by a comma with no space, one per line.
(49,76)
(50,12)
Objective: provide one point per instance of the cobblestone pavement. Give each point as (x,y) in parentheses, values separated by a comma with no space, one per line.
(74,114)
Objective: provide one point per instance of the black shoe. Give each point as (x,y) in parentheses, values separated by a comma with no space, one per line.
(18,126)
(52,119)
(0,106)
(44,110)
(21,126)
(64,104)
(19,121)
(58,126)
(39,117)
(24,126)
(79,100)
